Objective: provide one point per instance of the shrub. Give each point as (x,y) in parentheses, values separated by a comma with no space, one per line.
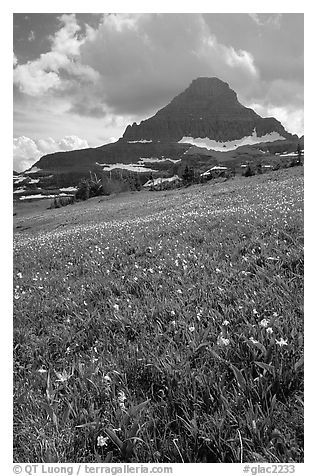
(83,192)
(89,188)
(248,171)
(188,175)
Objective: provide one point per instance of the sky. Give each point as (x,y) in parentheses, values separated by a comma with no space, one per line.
(80,79)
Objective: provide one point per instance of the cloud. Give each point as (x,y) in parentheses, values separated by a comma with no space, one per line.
(144,60)
(291,117)
(131,65)
(282,99)
(26,151)
(47,73)
(266,19)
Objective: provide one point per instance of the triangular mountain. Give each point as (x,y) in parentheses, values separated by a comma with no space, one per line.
(207,114)
(208,108)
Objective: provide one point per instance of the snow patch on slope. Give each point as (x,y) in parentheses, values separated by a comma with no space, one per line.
(142,141)
(155,159)
(159,180)
(211,144)
(131,167)
(33,170)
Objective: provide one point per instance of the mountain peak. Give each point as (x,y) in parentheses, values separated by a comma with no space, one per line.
(208,94)
(208,86)
(207,108)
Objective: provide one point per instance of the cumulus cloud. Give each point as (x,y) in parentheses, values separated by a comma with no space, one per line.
(144,60)
(271,19)
(130,65)
(291,117)
(45,74)
(26,151)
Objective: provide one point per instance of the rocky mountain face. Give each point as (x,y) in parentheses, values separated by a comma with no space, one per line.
(208,108)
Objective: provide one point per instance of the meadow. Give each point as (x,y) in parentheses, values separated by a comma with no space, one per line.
(162,327)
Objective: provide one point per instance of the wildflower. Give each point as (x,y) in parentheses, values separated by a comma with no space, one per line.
(42,371)
(199,314)
(264,322)
(173,323)
(225,323)
(253,340)
(63,376)
(275,314)
(269,330)
(191,328)
(223,341)
(107,379)
(281,342)
(121,399)
(172,313)
(179,291)
(255,312)
(218,270)
(116,307)
(102,441)
(19,275)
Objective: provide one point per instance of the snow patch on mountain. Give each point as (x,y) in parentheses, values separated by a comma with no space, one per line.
(130,167)
(33,170)
(142,141)
(155,159)
(211,144)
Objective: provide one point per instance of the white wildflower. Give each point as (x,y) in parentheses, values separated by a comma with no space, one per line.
(191,328)
(281,342)
(116,307)
(264,322)
(62,376)
(254,341)
(107,379)
(269,330)
(102,441)
(223,340)
(121,399)
(225,323)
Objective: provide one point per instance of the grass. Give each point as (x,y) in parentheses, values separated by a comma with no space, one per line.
(162,327)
